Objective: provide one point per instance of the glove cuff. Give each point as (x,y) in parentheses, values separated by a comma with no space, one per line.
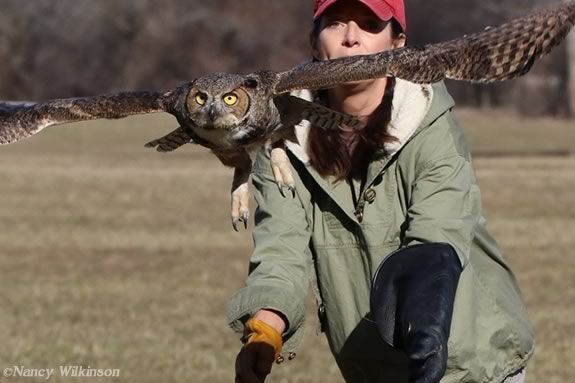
(257,330)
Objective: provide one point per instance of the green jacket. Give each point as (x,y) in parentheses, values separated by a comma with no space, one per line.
(423,190)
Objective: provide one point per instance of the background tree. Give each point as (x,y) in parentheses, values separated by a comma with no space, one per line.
(64,48)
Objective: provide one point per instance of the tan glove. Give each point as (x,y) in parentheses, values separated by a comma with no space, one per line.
(263,345)
(259,331)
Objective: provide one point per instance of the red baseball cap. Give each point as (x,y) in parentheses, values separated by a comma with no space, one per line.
(384,9)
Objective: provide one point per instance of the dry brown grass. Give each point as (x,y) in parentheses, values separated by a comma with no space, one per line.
(114,256)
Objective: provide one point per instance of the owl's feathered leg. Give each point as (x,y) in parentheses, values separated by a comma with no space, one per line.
(281,168)
(242,164)
(241,196)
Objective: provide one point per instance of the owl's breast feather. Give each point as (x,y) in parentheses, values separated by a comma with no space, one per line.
(218,137)
(241,134)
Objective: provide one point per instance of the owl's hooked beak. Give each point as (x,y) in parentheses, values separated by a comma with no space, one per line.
(212,113)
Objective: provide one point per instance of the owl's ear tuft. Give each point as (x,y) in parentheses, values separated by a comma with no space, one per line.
(251,82)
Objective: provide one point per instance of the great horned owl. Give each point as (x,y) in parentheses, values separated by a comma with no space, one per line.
(232,114)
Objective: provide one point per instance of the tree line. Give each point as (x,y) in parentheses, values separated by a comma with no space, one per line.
(72,48)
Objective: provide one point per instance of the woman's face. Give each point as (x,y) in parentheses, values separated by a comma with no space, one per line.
(350,28)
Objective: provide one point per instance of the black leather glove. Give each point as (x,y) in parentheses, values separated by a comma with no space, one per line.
(412,302)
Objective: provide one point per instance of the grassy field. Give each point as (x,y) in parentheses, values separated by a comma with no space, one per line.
(115,256)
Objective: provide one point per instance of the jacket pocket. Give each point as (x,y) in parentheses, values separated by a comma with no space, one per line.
(332,230)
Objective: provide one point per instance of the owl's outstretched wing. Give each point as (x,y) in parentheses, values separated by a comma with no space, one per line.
(8,107)
(498,53)
(21,120)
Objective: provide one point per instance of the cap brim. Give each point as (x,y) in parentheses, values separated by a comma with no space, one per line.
(379,8)
(321,9)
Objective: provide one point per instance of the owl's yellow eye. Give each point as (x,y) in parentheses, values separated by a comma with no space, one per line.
(230,99)
(201,98)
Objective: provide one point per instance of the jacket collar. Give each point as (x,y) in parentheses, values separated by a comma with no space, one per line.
(410,110)
(410,105)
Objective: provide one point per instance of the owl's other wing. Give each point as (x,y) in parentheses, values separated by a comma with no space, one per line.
(171,141)
(495,54)
(294,109)
(21,120)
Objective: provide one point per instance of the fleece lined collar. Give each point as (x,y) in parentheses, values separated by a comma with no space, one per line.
(410,106)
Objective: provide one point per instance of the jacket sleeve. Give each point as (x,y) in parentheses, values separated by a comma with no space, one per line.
(280,265)
(442,197)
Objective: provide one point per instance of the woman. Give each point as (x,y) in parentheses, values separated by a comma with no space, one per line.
(444,304)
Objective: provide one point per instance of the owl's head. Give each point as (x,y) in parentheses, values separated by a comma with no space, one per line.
(219,101)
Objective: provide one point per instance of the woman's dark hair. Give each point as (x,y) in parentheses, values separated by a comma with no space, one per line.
(328,151)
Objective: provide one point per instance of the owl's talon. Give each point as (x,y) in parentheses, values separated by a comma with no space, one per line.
(281,168)
(236,221)
(281,189)
(292,189)
(240,206)
(245,219)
